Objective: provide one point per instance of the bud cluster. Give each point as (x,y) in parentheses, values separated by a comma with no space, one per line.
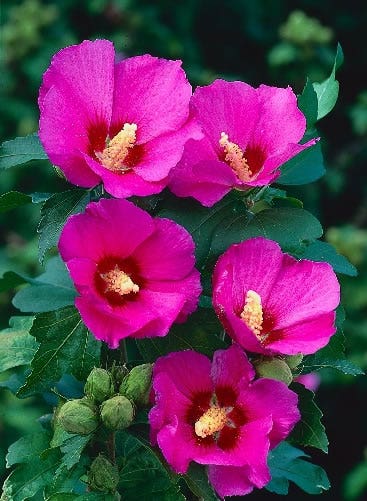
(279,368)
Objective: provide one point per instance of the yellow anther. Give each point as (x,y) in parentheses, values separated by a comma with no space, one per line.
(114,154)
(252,313)
(212,421)
(118,281)
(235,158)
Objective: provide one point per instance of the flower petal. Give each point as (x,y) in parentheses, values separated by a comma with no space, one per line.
(230,480)
(232,368)
(303,290)
(152,93)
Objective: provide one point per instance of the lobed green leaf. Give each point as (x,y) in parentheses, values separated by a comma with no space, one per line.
(306,167)
(21,150)
(17,346)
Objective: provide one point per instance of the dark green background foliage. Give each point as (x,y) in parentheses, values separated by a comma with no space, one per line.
(275,42)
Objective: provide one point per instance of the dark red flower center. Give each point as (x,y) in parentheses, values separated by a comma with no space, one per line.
(247,163)
(216,417)
(117,150)
(117,280)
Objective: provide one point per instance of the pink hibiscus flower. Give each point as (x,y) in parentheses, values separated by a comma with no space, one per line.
(249,134)
(135,274)
(123,124)
(310,381)
(216,415)
(270,303)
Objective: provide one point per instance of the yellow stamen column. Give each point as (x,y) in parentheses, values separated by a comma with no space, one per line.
(114,154)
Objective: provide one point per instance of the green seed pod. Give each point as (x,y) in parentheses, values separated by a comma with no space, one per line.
(136,385)
(293,360)
(78,416)
(117,413)
(103,475)
(99,385)
(274,369)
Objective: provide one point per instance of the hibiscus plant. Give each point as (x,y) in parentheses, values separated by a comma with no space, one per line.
(187,301)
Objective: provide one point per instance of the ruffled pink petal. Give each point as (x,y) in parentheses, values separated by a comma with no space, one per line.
(303,290)
(64,135)
(189,286)
(271,171)
(152,93)
(189,371)
(168,254)
(84,74)
(267,397)
(306,337)
(162,153)
(230,107)
(250,265)
(127,184)
(82,271)
(231,368)
(200,174)
(280,121)
(119,225)
(230,480)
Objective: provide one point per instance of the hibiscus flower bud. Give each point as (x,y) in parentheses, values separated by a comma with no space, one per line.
(293,361)
(117,413)
(103,475)
(78,416)
(274,369)
(136,385)
(99,385)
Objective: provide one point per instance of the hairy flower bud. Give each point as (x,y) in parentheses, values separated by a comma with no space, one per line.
(103,475)
(99,385)
(117,413)
(293,360)
(78,416)
(274,368)
(136,385)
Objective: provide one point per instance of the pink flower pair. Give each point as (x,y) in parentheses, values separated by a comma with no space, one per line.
(134,126)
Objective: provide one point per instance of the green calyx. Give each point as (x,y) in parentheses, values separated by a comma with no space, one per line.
(103,475)
(274,368)
(117,413)
(293,361)
(99,385)
(137,384)
(78,416)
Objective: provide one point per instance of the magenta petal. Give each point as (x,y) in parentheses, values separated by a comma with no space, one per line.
(82,271)
(84,74)
(200,174)
(189,370)
(156,96)
(231,368)
(230,480)
(280,120)
(167,253)
(230,107)
(267,396)
(305,337)
(119,224)
(250,265)
(162,153)
(177,443)
(303,290)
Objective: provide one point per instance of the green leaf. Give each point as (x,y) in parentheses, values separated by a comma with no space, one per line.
(286,465)
(322,251)
(21,150)
(142,475)
(65,347)
(72,449)
(292,228)
(17,347)
(12,200)
(197,481)
(308,104)
(11,280)
(309,431)
(328,90)
(34,473)
(304,168)
(50,291)
(332,356)
(55,212)
(200,221)
(198,334)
